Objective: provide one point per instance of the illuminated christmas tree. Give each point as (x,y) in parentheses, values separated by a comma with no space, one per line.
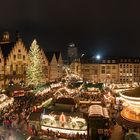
(34,74)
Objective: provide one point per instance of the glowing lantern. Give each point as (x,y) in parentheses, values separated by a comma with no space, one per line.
(62,118)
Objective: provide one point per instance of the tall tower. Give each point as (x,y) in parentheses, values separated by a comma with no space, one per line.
(5,37)
(72,52)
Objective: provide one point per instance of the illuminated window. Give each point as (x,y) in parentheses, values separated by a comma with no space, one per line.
(108,67)
(19,56)
(103,67)
(103,71)
(108,61)
(113,61)
(113,67)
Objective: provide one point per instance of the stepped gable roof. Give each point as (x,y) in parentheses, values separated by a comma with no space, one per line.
(49,55)
(6,48)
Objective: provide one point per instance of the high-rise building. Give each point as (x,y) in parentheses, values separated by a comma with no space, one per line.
(72,52)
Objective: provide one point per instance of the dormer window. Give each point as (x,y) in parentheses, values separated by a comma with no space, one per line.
(108,61)
(113,61)
(19,56)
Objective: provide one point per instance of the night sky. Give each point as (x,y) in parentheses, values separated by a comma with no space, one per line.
(106,27)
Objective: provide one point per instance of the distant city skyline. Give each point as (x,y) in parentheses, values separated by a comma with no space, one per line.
(95,27)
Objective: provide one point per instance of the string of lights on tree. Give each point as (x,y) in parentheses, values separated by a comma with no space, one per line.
(34,69)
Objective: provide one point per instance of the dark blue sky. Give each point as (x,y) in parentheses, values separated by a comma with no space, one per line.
(108,27)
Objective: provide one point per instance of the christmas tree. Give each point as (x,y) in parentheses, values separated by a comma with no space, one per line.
(34,74)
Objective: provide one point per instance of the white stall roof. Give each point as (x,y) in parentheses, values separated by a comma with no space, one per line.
(97,110)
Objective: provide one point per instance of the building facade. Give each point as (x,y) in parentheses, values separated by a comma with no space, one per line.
(14,60)
(108,70)
(72,52)
(55,66)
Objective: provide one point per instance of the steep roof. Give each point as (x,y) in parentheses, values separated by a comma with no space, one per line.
(49,55)
(6,48)
(57,54)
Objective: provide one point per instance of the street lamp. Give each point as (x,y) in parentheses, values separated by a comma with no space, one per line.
(98,57)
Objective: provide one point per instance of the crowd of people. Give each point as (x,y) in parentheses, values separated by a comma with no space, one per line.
(16,115)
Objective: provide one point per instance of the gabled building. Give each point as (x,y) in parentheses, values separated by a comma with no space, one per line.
(45,65)
(13,60)
(55,65)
